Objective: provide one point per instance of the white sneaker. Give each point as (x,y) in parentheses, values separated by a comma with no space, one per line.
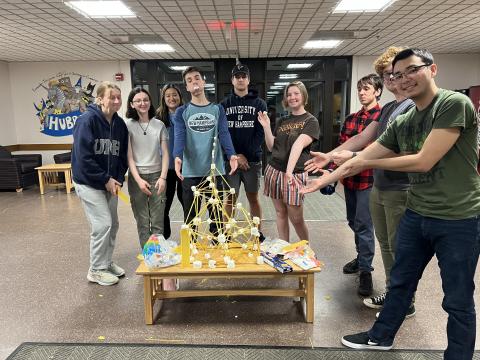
(116,270)
(102,277)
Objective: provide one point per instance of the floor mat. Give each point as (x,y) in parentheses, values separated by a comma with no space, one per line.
(52,351)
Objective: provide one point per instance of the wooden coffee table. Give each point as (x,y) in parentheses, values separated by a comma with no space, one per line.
(152,289)
(48,175)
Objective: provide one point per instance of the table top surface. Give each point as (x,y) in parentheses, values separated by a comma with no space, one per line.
(66,166)
(220,270)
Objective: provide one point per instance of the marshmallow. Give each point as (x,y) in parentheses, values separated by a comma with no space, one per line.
(197,264)
(260,260)
(256,220)
(232,190)
(212,264)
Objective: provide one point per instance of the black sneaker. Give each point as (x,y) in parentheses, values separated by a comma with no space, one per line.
(410,312)
(365,288)
(363,341)
(375,302)
(351,267)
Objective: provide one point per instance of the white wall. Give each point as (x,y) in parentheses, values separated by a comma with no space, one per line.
(8,135)
(25,76)
(455,71)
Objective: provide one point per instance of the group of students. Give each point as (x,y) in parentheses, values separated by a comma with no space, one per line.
(423,148)
(169,151)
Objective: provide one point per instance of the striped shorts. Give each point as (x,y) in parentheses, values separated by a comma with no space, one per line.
(276,186)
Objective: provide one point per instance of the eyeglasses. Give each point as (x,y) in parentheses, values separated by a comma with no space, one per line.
(387,76)
(139,101)
(409,72)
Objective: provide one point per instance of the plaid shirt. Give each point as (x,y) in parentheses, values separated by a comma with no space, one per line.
(354,124)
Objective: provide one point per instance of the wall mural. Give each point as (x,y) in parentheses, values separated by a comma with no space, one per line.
(59,103)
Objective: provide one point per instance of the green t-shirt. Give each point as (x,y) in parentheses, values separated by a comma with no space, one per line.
(451,189)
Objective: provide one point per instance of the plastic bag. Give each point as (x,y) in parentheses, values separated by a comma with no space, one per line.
(159,252)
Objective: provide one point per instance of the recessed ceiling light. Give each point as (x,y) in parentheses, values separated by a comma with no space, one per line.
(154,47)
(321,44)
(299,66)
(178,67)
(288,76)
(101,9)
(366,5)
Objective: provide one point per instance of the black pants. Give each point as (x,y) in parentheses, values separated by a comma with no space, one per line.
(188,197)
(173,185)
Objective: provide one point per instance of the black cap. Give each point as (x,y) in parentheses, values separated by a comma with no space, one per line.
(240,69)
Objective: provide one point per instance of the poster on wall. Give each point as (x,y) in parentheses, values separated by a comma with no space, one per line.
(60,100)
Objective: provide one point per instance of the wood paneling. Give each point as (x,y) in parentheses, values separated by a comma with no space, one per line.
(38,147)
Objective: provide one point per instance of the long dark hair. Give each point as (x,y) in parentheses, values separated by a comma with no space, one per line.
(163,112)
(131,112)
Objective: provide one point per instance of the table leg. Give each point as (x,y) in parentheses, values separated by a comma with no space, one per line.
(68,180)
(40,182)
(310,297)
(148,299)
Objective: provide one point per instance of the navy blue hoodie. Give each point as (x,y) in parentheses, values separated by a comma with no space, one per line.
(245,130)
(99,149)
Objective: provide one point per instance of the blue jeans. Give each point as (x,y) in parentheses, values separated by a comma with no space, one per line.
(456,244)
(360,221)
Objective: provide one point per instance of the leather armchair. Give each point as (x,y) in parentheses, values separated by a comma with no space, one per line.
(18,171)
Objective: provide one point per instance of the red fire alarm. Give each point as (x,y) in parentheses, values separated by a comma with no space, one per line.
(119,76)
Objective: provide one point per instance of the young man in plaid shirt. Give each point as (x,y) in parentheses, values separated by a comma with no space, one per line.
(357,188)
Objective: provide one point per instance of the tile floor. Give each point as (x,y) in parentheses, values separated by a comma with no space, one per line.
(44,294)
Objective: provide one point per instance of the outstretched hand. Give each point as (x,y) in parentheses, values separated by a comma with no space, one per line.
(318,161)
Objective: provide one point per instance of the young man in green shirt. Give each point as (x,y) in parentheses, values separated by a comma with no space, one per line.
(436,143)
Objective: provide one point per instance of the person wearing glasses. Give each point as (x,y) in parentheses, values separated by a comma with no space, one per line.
(389,192)
(171,99)
(148,164)
(290,145)
(99,164)
(199,125)
(436,143)
(241,108)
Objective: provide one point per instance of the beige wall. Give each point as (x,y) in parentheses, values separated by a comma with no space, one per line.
(8,134)
(25,76)
(455,71)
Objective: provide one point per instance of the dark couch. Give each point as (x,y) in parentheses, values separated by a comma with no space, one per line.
(63,158)
(18,171)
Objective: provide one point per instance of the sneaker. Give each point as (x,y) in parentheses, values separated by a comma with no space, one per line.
(351,267)
(365,288)
(116,270)
(102,277)
(375,302)
(363,341)
(410,312)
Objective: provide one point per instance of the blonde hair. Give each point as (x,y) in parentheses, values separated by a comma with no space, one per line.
(303,91)
(103,88)
(386,59)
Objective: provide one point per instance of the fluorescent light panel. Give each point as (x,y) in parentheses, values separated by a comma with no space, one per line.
(178,67)
(299,66)
(154,47)
(281,83)
(365,5)
(288,76)
(101,9)
(322,44)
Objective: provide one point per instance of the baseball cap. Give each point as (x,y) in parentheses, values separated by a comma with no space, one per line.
(240,69)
